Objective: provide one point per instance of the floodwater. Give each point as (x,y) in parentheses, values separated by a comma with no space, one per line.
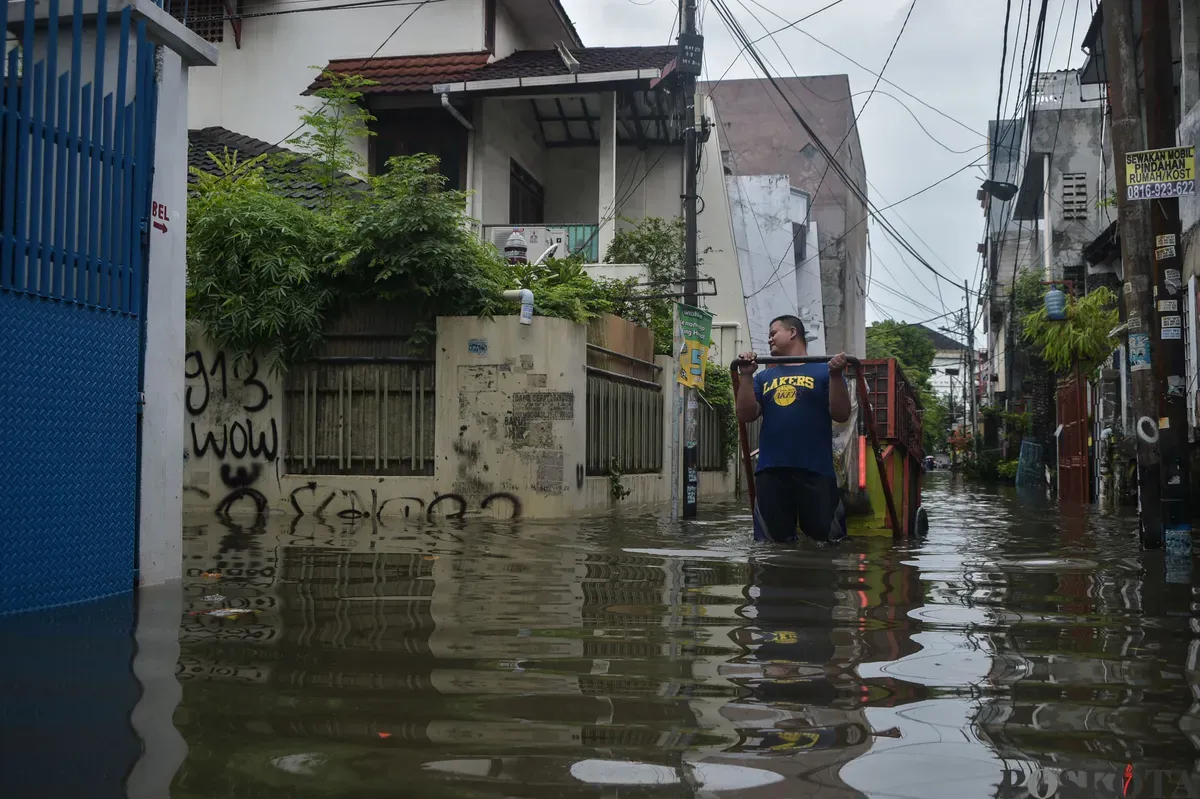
(1018,650)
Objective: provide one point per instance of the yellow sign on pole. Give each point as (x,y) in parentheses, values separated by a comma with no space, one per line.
(696,334)
(1154,174)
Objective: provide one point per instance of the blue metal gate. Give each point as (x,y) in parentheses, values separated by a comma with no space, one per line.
(76,151)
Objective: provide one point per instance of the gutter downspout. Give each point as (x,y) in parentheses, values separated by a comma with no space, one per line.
(454,112)
(1048,239)
(470,183)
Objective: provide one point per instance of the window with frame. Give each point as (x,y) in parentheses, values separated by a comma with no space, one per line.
(526,197)
(1075,196)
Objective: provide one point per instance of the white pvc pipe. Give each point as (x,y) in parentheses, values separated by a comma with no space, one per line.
(525,296)
(454,113)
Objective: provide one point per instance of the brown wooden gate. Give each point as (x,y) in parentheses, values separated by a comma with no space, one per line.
(1074,478)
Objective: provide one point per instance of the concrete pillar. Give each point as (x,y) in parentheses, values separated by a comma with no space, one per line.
(160,534)
(608,171)
(1189,48)
(164,749)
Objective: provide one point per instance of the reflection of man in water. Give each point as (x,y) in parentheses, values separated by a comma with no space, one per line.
(791,636)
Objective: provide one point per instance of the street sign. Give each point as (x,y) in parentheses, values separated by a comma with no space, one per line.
(1155,174)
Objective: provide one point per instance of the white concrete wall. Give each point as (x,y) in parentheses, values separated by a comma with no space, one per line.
(941,382)
(573,186)
(160,515)
(809,294)
(507,131)
(648,184)
(509,36)
(256,88)
(717,250)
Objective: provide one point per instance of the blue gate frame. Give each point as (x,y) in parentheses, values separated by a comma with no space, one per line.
(76,161)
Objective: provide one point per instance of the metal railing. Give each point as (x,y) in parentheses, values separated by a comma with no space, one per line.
(624,419)
(361,415)
(710,440)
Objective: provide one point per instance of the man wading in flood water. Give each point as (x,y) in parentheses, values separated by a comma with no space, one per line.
(797,485)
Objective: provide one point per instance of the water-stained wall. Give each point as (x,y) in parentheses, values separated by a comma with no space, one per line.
(511,412)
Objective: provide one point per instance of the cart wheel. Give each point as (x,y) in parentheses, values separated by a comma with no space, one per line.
(921,522)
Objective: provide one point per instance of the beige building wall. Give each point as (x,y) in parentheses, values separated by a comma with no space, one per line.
(509,436)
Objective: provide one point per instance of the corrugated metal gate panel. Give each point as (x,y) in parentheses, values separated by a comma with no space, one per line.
(75,178)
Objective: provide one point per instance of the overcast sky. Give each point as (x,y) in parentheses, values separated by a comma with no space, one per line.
(949,57)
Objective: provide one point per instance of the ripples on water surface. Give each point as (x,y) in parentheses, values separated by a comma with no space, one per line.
(629,657)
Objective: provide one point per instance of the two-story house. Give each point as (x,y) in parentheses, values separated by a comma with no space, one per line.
(544,132)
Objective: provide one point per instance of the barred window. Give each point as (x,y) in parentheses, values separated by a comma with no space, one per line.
(1075,196)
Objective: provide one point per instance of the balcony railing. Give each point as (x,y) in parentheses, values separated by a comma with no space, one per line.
(577,238)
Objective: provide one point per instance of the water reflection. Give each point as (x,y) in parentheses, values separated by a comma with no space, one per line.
(1018,647)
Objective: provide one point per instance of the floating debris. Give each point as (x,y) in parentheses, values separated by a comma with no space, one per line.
(225,613)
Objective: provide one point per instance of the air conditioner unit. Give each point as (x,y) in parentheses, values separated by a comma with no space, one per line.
(538,239)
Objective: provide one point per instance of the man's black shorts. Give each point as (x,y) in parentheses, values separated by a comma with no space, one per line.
(791,499)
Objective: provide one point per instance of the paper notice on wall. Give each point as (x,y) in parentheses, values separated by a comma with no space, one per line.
(1168,306)
(1172,280)
(1139,352)
(1165,240)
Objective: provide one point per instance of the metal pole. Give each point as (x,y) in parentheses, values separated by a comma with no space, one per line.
(687,28)
(676,408)
(1170,290)
(1137,246)
(971,358)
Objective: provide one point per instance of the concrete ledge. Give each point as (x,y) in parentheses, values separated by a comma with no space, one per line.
(161,27)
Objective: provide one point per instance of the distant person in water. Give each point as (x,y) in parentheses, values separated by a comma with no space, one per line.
(795,479)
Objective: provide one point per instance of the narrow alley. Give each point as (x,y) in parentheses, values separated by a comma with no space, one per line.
(1019,650)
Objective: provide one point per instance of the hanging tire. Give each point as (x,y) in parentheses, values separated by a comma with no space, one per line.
(920,523)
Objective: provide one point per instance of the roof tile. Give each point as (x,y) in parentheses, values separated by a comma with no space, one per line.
(283,179)
(544,63)
(420,73)
(406,74)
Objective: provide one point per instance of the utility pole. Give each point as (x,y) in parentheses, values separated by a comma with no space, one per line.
(688,62)
(1169,359)
(1137,250)
(972,357)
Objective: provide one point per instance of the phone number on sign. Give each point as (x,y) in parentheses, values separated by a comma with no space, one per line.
(1152,191)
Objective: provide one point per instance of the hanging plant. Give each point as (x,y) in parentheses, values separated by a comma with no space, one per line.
(1082,338)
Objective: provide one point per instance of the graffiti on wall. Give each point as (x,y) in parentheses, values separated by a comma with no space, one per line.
(225,400)
(448,506)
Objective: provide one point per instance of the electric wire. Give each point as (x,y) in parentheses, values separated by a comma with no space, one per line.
(895,86)
(739,33)
(854,126)
(731,22)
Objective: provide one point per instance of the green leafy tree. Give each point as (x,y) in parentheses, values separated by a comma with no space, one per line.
(658,244)
(325,151)
(914,351)
(258,264)
(909,344)
(408,242)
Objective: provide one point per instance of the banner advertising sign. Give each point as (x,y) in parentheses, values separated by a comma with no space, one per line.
(1153,174)
(695,332)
